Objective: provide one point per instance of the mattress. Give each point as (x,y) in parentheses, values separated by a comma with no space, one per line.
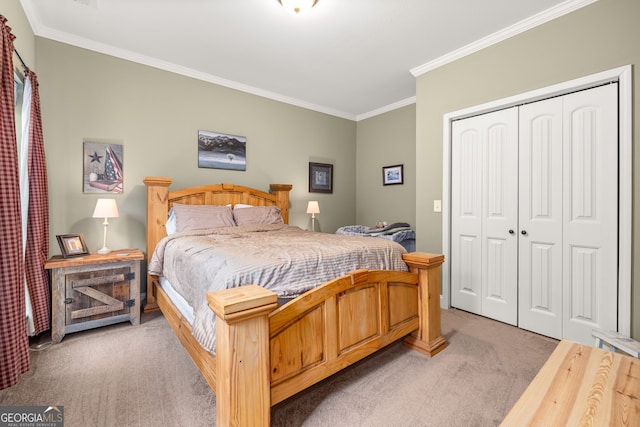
(181,304)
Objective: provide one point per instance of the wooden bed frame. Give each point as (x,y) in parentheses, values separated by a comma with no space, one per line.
(266,353)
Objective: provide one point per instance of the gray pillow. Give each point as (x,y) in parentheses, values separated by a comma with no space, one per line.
(196,217)
(258,215)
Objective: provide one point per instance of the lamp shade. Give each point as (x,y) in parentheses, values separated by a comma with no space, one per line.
(313,207)
(296,7)
(106,208)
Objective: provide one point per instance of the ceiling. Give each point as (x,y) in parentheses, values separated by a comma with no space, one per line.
(348,58)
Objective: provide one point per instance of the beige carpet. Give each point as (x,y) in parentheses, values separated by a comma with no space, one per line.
(123,375)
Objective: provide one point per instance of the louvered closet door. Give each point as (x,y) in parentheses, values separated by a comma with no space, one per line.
(484,211)
(540,218)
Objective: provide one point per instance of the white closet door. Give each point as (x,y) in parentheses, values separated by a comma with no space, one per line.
(540,218)
(484,209)
(590,212)
(466,214)
(500,216)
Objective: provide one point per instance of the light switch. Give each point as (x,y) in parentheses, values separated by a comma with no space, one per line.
(437,205)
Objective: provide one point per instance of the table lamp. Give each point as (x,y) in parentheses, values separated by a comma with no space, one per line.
(105,208)
(313,208)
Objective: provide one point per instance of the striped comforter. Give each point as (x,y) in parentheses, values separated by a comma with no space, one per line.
(285,259)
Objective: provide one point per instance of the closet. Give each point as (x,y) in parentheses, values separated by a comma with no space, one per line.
(534,214)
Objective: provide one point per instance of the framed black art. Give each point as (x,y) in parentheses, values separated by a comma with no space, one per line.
(320,178)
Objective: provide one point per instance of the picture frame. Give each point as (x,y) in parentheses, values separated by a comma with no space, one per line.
(103,167)
(72,245)
(393,175)
(222,151)
(320,177)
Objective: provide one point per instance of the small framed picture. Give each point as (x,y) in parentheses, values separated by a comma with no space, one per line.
(392,175)
(320,178)
(72,245)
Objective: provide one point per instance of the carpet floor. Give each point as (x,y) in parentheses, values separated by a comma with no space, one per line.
(122,375)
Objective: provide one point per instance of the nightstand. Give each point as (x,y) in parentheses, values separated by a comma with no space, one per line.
(94,290)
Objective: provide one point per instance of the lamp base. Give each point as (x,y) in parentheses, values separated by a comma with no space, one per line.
(105,250)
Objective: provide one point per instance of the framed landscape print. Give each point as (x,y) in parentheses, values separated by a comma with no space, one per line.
(392,175)
(320,177)
(221,151)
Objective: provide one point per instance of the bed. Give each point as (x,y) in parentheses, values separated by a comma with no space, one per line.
(266,351)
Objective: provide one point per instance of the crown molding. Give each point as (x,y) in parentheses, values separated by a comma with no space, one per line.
(386,108)
(511,31)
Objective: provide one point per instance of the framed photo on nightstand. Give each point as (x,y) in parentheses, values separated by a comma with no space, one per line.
(72,245)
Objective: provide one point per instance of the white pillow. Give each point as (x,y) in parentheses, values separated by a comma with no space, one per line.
(170,226)
(242,206)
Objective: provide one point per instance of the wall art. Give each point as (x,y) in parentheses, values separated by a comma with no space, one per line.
(392,175)
(103,167)
(221,151)
(320,177)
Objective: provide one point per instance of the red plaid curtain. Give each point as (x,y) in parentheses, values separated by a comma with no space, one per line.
(14,343)
(37,248)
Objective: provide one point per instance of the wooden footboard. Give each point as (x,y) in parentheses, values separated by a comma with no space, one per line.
(338,324)
(264,355)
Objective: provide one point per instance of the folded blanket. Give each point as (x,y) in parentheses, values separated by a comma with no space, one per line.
(389,230)
(395,225)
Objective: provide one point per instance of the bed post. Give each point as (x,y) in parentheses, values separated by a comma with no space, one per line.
(157,208)
(243,391)
(427,338)
(281,191)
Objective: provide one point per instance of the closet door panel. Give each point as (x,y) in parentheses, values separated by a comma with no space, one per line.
(500,212)
(590,212)
(540,218)
(484,209)
(466,215)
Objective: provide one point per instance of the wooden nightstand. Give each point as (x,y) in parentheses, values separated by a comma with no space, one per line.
(94,290)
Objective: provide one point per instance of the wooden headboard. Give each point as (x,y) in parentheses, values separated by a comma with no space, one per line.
(160,200)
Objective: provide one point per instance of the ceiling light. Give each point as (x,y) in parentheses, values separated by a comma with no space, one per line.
(296,7)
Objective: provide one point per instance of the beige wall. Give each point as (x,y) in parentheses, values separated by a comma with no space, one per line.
(596,38)
(386,140)
(24,42)
(156,115)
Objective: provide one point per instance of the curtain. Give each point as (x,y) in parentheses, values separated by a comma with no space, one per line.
(23,99)
(37,248)
(14,342)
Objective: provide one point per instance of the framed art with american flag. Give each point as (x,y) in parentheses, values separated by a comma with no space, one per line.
(103,167)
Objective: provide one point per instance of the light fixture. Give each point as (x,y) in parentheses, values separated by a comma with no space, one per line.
(296,7)
(313,208)
(105,208)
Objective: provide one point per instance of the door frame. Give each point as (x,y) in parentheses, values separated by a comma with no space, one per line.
(622,75)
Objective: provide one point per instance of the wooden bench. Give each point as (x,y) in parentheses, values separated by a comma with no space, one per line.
(581,386)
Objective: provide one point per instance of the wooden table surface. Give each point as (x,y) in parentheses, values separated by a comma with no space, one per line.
(581,386)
